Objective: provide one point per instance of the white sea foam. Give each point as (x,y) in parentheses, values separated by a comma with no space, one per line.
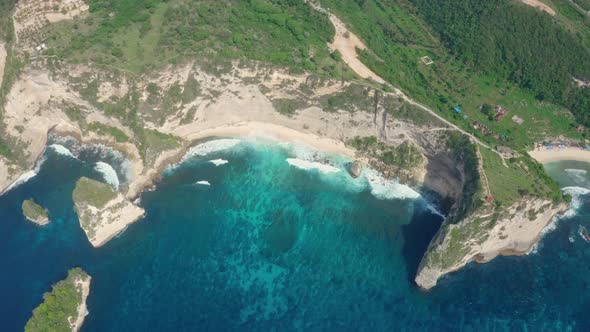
(108,173)
(206,148)
(126,168)
(382,188)
(580,176)
(218,162)
(576,193)
(62,150)
(576,171)
(203,183)
(433,210)
(309,165)
(21,179)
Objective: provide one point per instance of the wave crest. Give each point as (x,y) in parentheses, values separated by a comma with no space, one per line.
(218,162)
(383,188)
(108,174)
(576,171)
(576,193)
(309,165)
(61,150)
(206,148)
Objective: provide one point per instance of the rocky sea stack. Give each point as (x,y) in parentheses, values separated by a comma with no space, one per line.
(355,169)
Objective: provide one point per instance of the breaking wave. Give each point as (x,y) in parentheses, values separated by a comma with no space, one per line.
(203,183)
(309,165)
(576,203)
(576,193)
(382,188)
(576,171)
(108,173)
(21,179)
(61,150)
(218,162)
(206,148)
(25,177)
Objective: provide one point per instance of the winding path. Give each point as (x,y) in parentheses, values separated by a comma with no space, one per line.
(347,43)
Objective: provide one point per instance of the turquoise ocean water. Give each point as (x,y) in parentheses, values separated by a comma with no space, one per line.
(268,246)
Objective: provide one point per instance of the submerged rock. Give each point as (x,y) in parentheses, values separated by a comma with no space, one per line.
(355,169)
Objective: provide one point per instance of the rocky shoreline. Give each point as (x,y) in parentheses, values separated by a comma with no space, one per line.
(102,212)
(485,236)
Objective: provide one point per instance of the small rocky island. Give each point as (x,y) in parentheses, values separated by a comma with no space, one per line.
(35,212)
(64,308)
(103,212)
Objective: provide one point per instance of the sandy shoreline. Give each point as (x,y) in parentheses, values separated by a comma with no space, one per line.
(243,130)
(254,130)
(570,153)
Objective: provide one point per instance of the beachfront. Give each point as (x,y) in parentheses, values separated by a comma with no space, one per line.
(546,155)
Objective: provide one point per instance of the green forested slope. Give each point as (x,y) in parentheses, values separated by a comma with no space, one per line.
(137,35)
(518,43)
(398,35)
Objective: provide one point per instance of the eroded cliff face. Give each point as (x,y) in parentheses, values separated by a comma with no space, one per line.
(485,234)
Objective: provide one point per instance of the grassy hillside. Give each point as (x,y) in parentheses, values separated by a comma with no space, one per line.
(136,35)
(398,36)
(517,43)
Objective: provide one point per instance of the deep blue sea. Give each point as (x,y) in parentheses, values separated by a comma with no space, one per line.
(268,246)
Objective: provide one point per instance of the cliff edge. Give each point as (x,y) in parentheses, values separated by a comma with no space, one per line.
(103,213)
(484,235)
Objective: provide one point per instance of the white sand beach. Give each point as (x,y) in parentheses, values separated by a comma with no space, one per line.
(570,153)
(253,130)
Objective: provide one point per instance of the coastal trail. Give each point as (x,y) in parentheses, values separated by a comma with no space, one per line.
(347,42)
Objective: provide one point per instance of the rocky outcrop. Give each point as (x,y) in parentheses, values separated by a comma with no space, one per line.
(485,234)
(35,212)
(103,213)
(355,169)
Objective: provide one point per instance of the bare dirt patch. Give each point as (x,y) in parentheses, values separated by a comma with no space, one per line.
(538,4)
(2,61)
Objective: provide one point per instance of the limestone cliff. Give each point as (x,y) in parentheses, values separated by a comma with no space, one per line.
(485,234)
(103,213)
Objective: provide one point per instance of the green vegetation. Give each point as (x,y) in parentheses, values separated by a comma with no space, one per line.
(398,36)
(514,42)
(461,238)
(406,112)
(74,113)
(12,67)
(156,142)
(464,153)
(34,211)
(91,192)
(59,304)
(137,35)
(523,177)
(103,129)
(288,106)
(405,156)
(353,98)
